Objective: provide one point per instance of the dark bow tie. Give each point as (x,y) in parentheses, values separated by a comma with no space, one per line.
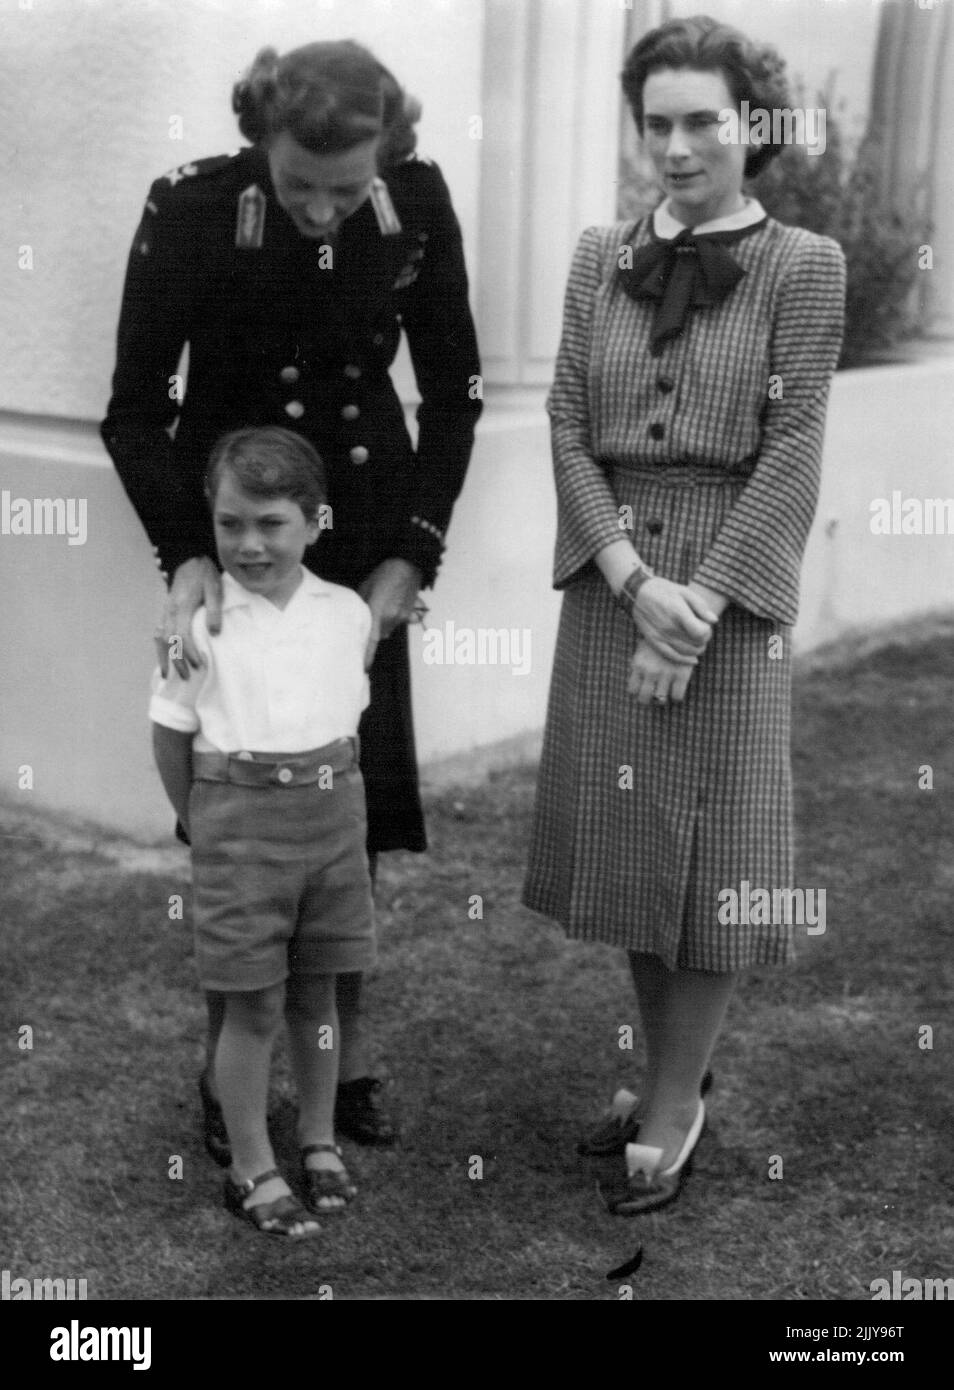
(690,271)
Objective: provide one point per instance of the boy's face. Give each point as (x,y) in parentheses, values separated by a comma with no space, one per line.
(261,540)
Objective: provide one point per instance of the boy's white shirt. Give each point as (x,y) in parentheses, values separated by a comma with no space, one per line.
(275,680)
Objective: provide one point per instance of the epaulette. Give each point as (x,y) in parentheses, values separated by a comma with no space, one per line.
(198,168)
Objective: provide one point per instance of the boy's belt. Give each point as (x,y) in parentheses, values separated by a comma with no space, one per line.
(276,770)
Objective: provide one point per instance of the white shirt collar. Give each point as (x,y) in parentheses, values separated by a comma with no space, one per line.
(234,596)
(666,226)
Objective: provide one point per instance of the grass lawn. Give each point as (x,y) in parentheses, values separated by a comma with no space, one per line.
(500,1039)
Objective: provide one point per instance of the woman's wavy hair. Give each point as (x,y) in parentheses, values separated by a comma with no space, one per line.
(329,97)
(753,72)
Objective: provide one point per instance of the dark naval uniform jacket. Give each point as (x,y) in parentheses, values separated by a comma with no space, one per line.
(279,332)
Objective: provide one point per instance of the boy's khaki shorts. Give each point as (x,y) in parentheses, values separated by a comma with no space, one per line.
(280,872)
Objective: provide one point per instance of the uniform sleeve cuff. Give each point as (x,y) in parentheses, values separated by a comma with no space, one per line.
(421,543)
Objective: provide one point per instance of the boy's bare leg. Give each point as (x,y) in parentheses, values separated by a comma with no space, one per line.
(313,1037)
(215,1009)
(353,1057)
(242,1065)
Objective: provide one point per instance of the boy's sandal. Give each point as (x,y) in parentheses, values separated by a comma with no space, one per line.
(278,1218)
(326,1185)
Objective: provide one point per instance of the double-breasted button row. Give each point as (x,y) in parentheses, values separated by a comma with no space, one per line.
(359,454)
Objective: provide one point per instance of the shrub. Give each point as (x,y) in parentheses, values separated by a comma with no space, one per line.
(847,197)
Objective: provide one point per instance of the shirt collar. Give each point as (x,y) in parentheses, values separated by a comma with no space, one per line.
(666,227)
(234,596)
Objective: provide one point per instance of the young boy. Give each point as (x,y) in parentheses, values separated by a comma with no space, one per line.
(258,754)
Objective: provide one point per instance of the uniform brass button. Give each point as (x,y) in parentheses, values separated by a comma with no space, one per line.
(657,431)
(359,454)
(289,375)
(654,528)
(665,384)
(352,372)
(295,409)
(378,339)
(350,412)
(285,774)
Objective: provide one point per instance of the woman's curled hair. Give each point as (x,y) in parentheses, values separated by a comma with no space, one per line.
(754,72)
(329,97)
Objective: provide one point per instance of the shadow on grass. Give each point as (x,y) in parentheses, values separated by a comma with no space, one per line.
(501,1041)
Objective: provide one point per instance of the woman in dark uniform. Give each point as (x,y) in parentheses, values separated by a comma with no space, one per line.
(687,417)
(289,270)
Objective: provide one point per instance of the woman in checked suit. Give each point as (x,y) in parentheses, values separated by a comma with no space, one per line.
(687,415)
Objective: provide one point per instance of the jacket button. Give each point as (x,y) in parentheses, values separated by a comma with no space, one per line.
(657,431)
(285,774)
(359,454)
(352,372)
(289,375)
(350,412)
(378,339)
(295,409)
(665,384)
(654,528)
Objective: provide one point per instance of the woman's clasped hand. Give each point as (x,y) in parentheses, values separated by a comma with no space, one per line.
(675,624)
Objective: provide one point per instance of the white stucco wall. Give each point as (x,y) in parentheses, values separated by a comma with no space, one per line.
(88,92)
(77,652)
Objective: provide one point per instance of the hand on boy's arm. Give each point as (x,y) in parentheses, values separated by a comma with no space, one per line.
(194,583)
(173,754)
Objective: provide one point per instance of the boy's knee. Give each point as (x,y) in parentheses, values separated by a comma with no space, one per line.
(311,997)
(260,1011)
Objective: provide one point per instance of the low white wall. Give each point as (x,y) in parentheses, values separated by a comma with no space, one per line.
(75,623)
(890,429)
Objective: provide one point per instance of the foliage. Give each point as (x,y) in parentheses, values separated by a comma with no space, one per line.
(848,197)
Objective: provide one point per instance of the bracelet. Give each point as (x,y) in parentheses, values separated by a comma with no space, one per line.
(632,584)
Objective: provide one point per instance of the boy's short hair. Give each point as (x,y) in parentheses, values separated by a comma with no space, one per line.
(269,461)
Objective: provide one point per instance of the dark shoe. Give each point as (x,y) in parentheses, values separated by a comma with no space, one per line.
(214,1133)
(647,1187)
(620,1126)
(360,1114)
(326,1189)
(278,1218)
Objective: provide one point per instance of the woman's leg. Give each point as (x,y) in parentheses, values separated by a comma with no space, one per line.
(242,1065)
(682,1012)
